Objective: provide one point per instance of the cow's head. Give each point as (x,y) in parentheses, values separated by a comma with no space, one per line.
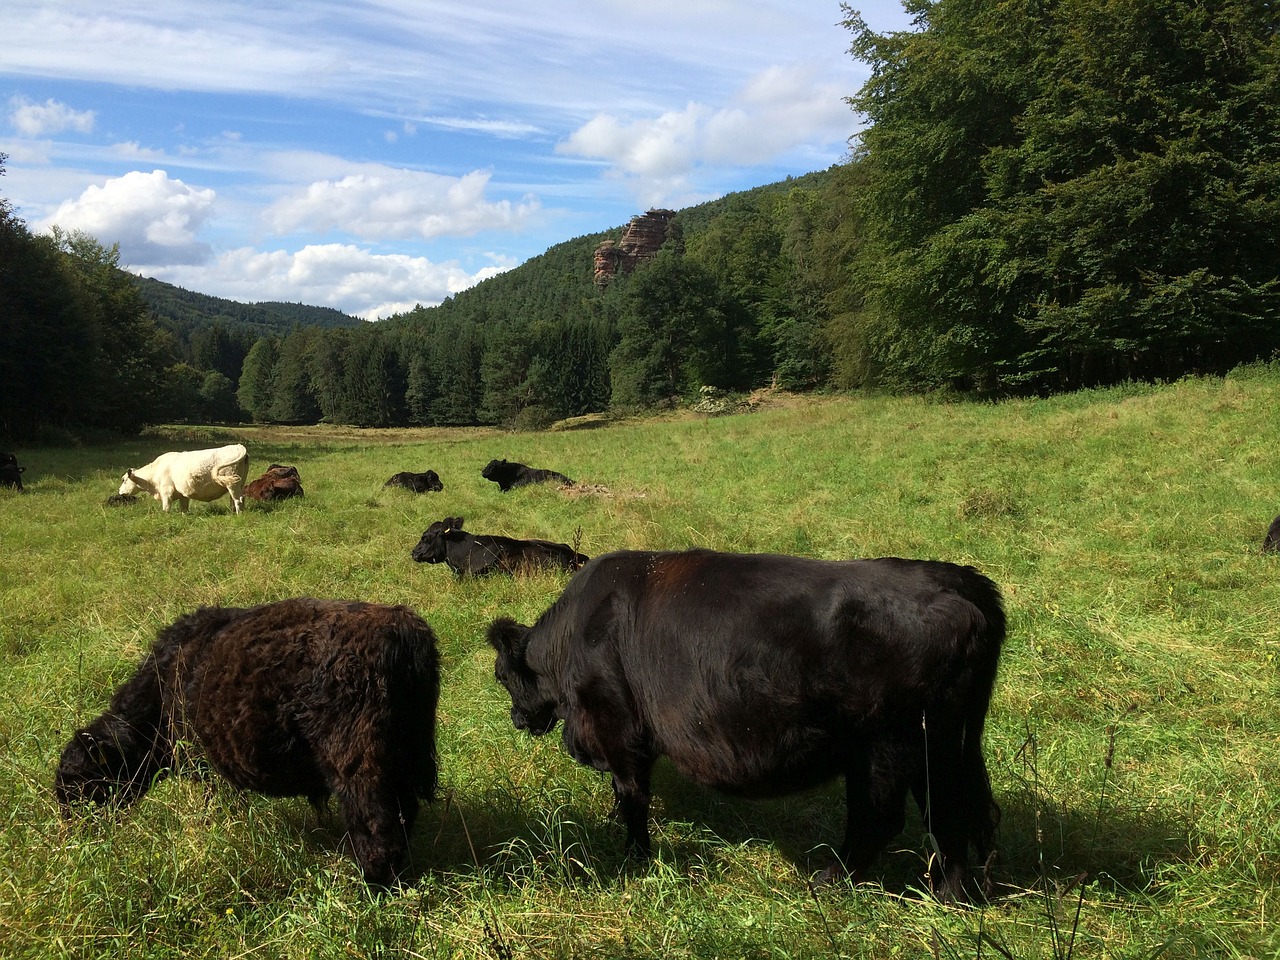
(431,547)
(499,471)
(533,706)
(128,484)
(96,767)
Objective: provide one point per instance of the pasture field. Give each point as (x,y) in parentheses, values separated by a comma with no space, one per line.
(1133,740)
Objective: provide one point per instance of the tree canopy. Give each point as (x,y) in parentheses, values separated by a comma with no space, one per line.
(1067,192)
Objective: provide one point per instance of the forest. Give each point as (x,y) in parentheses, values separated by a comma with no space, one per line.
(1049,195)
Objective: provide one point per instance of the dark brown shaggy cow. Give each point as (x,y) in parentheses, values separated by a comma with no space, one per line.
(508,475)
(472,554)
(299,697)
(278,483)
(1271,543)
(762,675)
(426,482)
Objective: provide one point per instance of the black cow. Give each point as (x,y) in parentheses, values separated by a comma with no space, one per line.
(508,475)
(10,472)
(1271,543)
(446,542)
(298,697)
(428,482)
(763,675)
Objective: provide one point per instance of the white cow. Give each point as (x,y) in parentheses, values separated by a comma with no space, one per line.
(192,475)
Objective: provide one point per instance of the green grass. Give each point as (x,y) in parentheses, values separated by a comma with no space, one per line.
(1134,739)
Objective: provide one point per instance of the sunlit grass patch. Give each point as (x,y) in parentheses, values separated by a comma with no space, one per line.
(1132,740)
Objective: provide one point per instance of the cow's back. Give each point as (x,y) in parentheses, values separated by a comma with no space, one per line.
(307,661)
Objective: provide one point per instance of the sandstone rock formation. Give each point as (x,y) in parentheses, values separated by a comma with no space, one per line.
(641,240)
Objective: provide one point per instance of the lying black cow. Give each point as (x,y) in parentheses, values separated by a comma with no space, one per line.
(428,482)
(763,675)
(1271,543)
(446,542)
(10,472)
(508,475)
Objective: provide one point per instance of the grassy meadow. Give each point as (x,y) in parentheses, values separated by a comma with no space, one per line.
(1133,741)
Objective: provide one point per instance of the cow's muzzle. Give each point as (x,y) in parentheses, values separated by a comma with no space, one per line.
(537,726)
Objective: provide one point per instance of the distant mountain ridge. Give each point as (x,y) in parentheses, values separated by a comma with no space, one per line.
(185,311)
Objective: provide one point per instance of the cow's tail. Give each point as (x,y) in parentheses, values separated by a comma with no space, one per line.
(412,668)
(983,813)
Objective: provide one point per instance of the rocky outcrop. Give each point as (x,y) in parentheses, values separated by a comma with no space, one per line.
(641,240)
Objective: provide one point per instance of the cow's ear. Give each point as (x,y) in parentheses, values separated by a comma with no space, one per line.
(507,636)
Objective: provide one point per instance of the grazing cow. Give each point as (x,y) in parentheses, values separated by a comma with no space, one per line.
(1271,543)
(192,475)
(763,675)
(298,697)
(508,475)
(278,483)
(446,542)
(428,482)
(10,472)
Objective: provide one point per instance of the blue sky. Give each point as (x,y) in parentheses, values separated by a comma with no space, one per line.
(373,155)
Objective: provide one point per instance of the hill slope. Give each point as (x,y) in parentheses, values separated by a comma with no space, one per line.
(184,312)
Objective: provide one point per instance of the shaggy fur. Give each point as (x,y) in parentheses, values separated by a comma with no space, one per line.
(474,554)
(508,475)
(762,675)
(299,697)
(1271,543)
(428,482)
(183,476)
(10,472)
(122,500)
(278,483)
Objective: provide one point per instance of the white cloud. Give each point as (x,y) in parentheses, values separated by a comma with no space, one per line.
(379,203)
(154,219)
(505,129)
(45,119)
(779,109)
(342,276)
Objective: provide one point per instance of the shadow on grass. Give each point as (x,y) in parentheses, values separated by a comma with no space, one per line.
(503,837)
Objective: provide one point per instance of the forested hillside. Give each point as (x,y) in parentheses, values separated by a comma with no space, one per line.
(185,312)
(1050,195)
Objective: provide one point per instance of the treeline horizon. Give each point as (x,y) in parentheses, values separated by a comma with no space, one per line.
(1049,196)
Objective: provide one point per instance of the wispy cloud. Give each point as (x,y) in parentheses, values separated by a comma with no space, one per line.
(48,118)
(660,156)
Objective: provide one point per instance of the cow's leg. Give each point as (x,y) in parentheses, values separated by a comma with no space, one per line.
(631,792)
(874,815)
(943,803)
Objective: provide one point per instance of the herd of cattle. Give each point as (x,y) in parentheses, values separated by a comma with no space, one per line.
(754,674)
